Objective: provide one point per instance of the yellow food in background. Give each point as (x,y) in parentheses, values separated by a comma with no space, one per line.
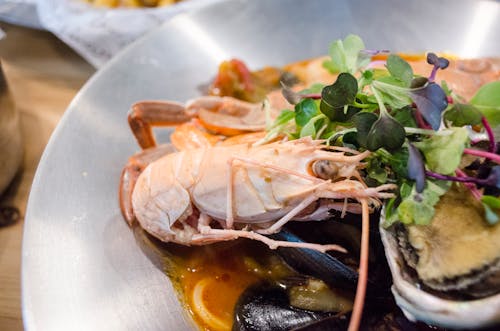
(132,3)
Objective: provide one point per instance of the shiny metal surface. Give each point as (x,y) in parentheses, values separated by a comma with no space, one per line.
(82,269)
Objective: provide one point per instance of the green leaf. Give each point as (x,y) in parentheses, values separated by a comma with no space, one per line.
(376,171)
(405,190)
(461,114)
(412,211)
(392,92)
(366,78)
(343,114)
(400,69)
(314,88)
(491,206)
(345,56)
(339,94)
(349,139)
(304,111)
(445,88)
(309,128)
(398,160)
(491,201)
(490,216)
(418,208)
(389,212)
(418,82)
(364,122)
(443,153)
(405,117)
(386,132)
(487,100)
(284,117)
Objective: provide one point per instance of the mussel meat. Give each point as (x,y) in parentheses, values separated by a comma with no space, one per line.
(447,273)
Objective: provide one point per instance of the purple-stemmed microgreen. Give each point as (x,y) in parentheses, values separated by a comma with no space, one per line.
(376,64)
(416,167)
(491,135)
(461,179)
(380,109)
(487,155)
(493,179)
(438,63)
(472,188)
(431,101)
(420,121)
(373,52)
(401,88)
(293,97)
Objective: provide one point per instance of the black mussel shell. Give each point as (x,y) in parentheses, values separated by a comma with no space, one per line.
(266,307)
(316,264)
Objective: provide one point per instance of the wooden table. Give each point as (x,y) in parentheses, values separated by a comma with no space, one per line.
(43,75)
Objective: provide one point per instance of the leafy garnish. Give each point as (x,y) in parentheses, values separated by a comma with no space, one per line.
(491,207)
(338,96)
(305,110)
(438,63)
(398,116)
(405,116)
(294,98)
(487,100)
(416,168)
(400,69)
(364,122)
(386,131)
(393,92)
(443,153)
(418,208)
(345,55)
(290,95)
(311,128)
(461,114)
(431,101)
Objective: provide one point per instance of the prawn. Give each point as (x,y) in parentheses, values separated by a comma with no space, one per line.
(205,195)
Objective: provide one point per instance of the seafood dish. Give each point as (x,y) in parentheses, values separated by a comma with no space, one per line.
(363,188)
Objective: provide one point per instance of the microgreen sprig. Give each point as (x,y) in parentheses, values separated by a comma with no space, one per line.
(414,126)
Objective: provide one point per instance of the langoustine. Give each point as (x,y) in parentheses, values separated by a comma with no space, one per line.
(244,191)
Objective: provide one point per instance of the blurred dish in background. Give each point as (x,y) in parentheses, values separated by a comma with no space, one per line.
(95,29)
(132,3)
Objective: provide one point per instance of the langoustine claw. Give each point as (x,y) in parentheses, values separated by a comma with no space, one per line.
(211,115)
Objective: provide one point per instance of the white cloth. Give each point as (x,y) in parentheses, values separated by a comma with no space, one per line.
(96,33)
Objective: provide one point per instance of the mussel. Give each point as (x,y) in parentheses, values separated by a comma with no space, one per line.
(316,264)
(266,307)
(447,273)
(279,306)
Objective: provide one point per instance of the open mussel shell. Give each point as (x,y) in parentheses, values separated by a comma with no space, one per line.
(266,307)
(316,264)
(420,305)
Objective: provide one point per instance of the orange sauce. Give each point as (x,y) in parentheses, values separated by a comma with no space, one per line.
(219,273)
